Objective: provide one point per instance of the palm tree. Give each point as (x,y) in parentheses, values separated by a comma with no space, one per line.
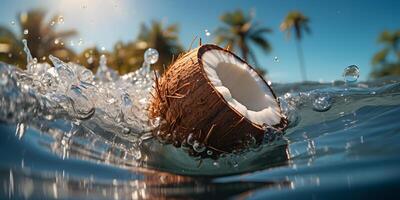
(239,32)
(41,36)
(297,22)
(164,39)
(384,67)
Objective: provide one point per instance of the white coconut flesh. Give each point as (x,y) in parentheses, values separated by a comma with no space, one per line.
(241,87)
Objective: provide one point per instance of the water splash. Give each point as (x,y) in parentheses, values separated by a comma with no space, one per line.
(29,58)
(322,103)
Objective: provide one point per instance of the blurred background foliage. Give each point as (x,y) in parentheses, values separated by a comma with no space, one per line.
(238,31)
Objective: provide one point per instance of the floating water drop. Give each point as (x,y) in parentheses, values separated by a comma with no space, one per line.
(207,32)
(12,22)
(26,31)
(151,56)
(351,74)
(322,103)
(276,59)
(60,19)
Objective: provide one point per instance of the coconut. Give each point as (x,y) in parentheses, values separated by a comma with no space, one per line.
(211,99)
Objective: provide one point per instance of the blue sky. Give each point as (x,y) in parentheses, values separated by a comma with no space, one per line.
(344,32)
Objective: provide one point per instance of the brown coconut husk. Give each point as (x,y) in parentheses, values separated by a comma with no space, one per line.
(188,103)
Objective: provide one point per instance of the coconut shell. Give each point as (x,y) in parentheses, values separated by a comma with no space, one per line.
(192,109)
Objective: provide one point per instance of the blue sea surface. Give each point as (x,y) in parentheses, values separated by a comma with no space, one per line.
(348,151)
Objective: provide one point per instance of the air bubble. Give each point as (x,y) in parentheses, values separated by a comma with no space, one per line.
(351,74)
(26,32)
(198,147)
(322,103)
(151,56)
(60,19)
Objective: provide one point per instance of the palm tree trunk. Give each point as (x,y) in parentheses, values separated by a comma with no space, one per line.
(301,61)
(244,48)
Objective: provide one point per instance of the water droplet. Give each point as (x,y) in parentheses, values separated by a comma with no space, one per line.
(20,131)
(60,19)
(103,61)
(12,22)
(151,56)
(198,147)
(216,163)
(80,42)
(322,103)
(90,60)
(276,59)
(26,31)
(351,74)
(207,32)
(269,82)
(103,48)
(52,23)
(56,41)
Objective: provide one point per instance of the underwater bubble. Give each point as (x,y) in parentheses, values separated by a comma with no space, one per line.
(198,147)
(207,32)
(26,31)
(276,59)
(151,56)
(12,22)
(351,74)
(209,152)
(322,103)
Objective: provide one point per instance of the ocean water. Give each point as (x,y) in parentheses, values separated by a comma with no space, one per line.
(67,133)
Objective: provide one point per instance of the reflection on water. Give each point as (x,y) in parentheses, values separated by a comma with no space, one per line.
(66,133)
